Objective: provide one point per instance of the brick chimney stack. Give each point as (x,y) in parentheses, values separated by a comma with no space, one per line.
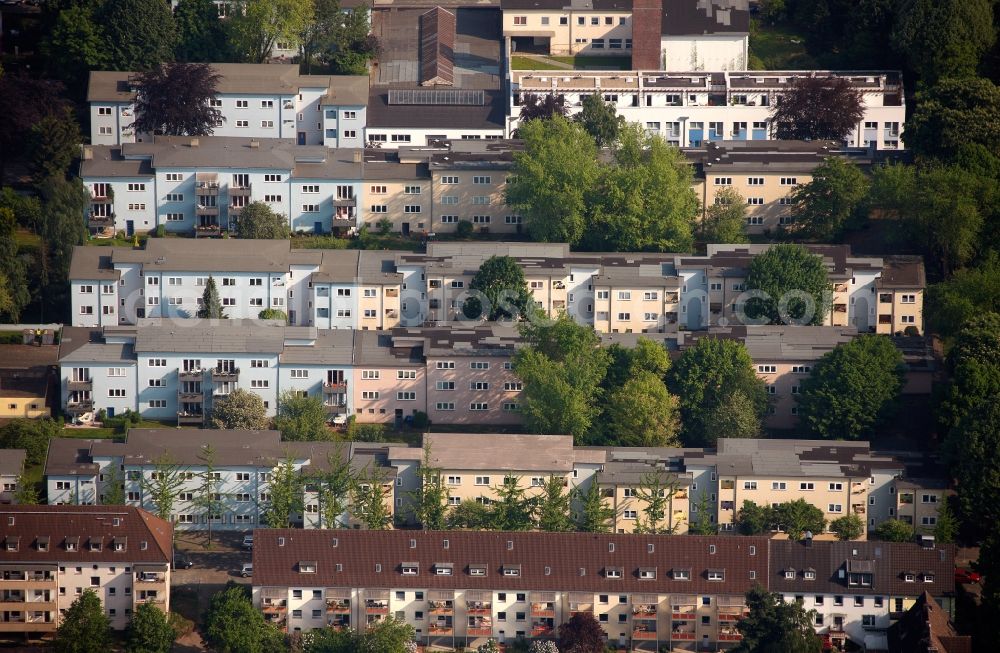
(647,17)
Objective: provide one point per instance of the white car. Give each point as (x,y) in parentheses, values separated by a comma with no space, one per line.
(247,570)
(248,541)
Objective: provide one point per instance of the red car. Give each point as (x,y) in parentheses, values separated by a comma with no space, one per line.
(967,575)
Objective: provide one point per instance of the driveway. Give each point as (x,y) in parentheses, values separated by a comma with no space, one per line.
(192,589)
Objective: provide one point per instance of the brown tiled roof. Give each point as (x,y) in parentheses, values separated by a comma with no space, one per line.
(903,272)
(888,560)
(925,628)
(437,47)
(548,561)
(147,537)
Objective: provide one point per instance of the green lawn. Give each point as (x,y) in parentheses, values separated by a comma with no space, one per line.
(27,240)
(528,63)
(592,62)
(775,47)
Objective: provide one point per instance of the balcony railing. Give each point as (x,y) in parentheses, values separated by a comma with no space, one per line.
(543,610)
(191,397)
(208,230)
(479,609)
(642,633)
(541,630)
(225,373)
(682,635)
(100,221)
(479,631)
(442,630)
(80,406)
(338,607)
(377,608)
(191,375)
(202,210)
(334,388)
(190,418)
(441,608)
(644,612)
(239,191)
(86,384)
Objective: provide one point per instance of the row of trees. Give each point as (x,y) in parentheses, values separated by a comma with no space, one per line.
(86,628)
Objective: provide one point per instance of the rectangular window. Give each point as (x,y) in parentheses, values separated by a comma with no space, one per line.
(445,405)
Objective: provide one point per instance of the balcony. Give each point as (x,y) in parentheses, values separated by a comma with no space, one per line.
(190,397)
(543,610)
(191,375)
(239,191)
(102,198)
(581,607)
(731,616)
(644,612)
(206,211)
(80,406)
(330,388)
(541,630)
(236,210)
(100,221)
(479,609)
(683,613)
(86,384)
(392,292)
(643,633)
(339,622)
(442,608)
(479,631)
(338,606)
(208,230)
(345,201)
(441,630)
(208,186)
(376,607)
(858,508)
(190,418)
(225,374)
(274,606)
(682,635)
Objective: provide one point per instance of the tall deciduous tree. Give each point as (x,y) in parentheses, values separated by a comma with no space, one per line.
(848,527)
(642,413)
(797,517)
(972,447)
(233,625)
(75,46)
(954,112)
(138,34)
(429,502)
(707,376)
(542,107)
(85,628)
(594,515)
(512,510)
(600,119)
(201,35)
(286,494)
(258,220)
(581,634)
(725,220)
(149,631)
(551,179)
(655,495)
(53,143)
(32,435)
(24,101)
(795,285)
(831,202)
(12,268)
(738,417)
(469,515)
(894,530)
(163,485)
(852,389)
(943,38)
(702,517)
(211,303)
(26,492)
(776,626)
(552,506)
(241,409)
(208,498)
(970,292)
(175,99)
(257,25)
(817,108)
(974,366)
(61,230)
(333,489)
(301,417)
(644,200)
(501,280)
(368,500)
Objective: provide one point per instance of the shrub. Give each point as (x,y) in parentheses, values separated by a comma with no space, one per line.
(464,229)
(161,231)
(384,226)
(421,420)
(366,432)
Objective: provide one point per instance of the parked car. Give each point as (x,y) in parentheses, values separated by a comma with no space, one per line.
(247,570)
(181,561)
(248,541)
(967,575)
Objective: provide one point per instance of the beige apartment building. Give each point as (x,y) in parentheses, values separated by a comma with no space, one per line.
(468,184)
(52,554)
(626,487)
(397,188)
(918,501)
(602,27)
(900,291)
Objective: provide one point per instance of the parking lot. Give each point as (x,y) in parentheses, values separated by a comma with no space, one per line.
(192,589)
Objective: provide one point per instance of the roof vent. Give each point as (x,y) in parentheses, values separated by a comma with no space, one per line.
(255,144)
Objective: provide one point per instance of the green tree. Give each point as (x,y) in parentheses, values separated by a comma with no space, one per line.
(848,527)
(75,46)
(971,449)
(551,179)
(211,303)
(32,435)
(53,143)
(646,357)
(138,34)
(149,631)
(301,417)
(946,527)
(852,389)
(797,517)
(273,314)
(501,281)
(832,202)
(369,498)
(795,286)
(233,625)
(162,486)
(14,270)
(255,26)
(258,221)
(970,292)
(943,38)
(429,502)
(644,201)
(26,492)
(61,230)
(320,33)
(512,510)
(201,35)
(738,417)
(240,409)
(562,367)
(24,101)
(354,45)
(817,108)
(286,494)
(552,506)
(709,375)
(600,120)
(894,530)
(974,366)
(725,220)
(945,215)
(469,515)
(594,515)
(581,634)
(176,99)
(333,488)
(365,432)
(701,521)
(85,628)
(753,519)
(655,494)
(774,625)
(642,413)
(114,488)
(208,498)
(954,112)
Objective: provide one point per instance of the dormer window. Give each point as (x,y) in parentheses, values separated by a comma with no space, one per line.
(716,575)
(909,577)
(789,574)
(118,544)
(410,568)
(307,566)
(12,543)
(42,543)
(612,572)
(95,544)
(443,568)
(512,571)
(681,574)
(809,574)
(72,543)
(928,576)
(647,573)
(477,570)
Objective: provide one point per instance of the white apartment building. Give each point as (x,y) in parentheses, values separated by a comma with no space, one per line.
(200,185)
(255,100)
(80,472)
(689,109)
(52,554)
(11,468)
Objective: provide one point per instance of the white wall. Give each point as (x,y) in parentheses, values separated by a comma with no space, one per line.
(704,52)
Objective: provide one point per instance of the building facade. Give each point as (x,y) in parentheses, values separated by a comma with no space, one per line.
(52,554)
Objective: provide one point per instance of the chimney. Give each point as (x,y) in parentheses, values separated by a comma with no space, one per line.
(807,538)
(647,20)
(255,144)
(195,142)
(88,153)
(357,156)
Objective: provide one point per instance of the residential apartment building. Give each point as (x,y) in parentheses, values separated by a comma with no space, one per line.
(26,372)
(82,472)
(689,109)
(458,589)
(11,468)
(255,101)
(52,554)
(200,185)
(661,34)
